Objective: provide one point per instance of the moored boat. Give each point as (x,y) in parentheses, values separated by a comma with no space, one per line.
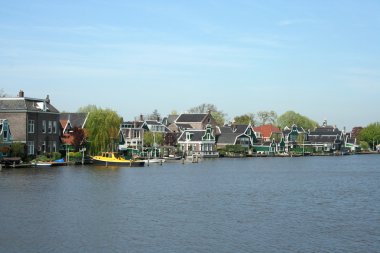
(114,159)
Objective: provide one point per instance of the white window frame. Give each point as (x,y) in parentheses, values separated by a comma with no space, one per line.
(50,127)
(44,126)
(30,147)
(54,127)
(31,126)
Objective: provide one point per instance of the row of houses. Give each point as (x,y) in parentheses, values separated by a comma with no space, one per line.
(43,129)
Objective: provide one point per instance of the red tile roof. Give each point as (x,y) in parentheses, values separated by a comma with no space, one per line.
(266,130)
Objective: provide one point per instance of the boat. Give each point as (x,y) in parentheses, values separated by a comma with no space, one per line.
(154,160)
(115,159)
(59,162)
(172,158)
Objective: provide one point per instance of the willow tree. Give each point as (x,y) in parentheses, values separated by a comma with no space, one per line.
(103,129)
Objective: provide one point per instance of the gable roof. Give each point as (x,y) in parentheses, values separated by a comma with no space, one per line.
(240,128)
(196,135)
(227,138)
(77,119)
(326,130)
(225,130)
(27,104)
(266,130)
(191,117)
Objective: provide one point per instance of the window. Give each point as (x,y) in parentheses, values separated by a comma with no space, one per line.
(54,146)
(44,126)
(5,135)
(43,148)
(54,127)
(50,127)
(31,126)
(30,147)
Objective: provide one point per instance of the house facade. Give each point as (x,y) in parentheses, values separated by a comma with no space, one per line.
(131,135)
(242,135)
(34,122)
(326,138)
(6,138)
(197,121)
(68,122)
(198,142)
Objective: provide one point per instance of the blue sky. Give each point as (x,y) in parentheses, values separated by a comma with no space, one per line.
(318,58)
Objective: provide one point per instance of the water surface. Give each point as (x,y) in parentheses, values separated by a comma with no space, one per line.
(306,204)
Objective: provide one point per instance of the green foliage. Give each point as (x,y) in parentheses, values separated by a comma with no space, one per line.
(88,108)
(150,138)
(290,117)
(237,149)
(370,134)
(55,156)
(103,129)
(245,119)
(75,155)
(18,149)
(218,115)
(364,145)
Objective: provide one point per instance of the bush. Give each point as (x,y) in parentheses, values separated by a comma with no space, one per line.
(18,150)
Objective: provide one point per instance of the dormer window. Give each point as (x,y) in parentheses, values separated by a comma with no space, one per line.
(188,136)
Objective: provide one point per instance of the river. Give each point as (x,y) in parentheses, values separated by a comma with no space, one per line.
(304,204)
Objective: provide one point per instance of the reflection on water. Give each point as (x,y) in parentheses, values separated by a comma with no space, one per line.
(327,204)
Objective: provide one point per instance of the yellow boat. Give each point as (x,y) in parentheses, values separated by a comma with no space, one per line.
(114,159)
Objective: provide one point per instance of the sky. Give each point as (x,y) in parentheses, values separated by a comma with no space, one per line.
(318,58)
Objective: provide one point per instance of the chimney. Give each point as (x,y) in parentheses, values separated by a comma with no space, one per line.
(47,99)
(141,117)
(21,94)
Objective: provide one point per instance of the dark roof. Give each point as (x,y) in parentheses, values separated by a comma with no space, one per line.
(196,135)
(184,126)
(134,124)
(322,139)
(351,140)
(153,122)
(76,119)
(226,130)
(227,138)
(240,128)
(326,131)
(29,104)
(191,117)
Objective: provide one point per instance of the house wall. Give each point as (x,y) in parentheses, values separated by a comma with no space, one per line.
(17,122)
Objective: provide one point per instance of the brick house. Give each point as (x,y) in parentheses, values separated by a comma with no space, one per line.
(34,122)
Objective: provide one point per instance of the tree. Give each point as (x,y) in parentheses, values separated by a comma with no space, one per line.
(248,118)
(79,138)
(219,116)
(103,129)
(151,138)
(154,116)
(371,134)
(88,108)
(267,117)
(290,117)
(18,149)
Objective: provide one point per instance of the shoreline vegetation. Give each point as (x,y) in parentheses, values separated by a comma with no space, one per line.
(16,162)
